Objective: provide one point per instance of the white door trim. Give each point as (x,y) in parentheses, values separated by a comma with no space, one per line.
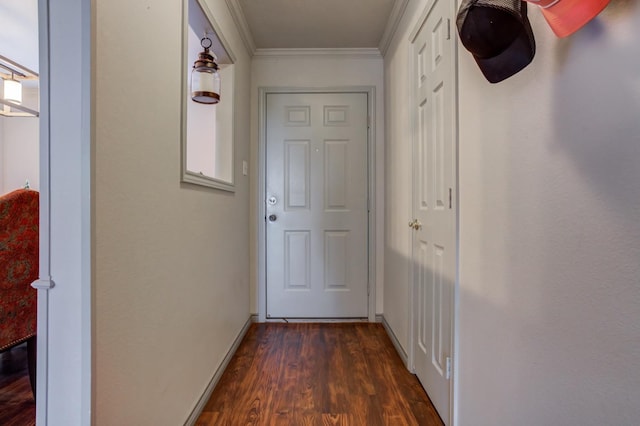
(60,134)
(453,414)
(44,283)
(261,194)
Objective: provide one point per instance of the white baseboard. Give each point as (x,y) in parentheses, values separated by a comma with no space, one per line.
(394,340)
(316,320)
(191,421)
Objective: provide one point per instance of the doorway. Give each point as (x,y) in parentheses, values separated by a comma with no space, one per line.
(315,224)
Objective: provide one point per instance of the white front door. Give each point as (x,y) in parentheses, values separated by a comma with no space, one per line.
(434,225)
(316,205)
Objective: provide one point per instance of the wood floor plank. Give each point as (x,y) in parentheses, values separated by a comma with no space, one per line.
(17,406)
(310,374)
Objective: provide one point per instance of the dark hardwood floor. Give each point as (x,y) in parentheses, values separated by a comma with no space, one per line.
(17,406)
(318,374)
(285,374)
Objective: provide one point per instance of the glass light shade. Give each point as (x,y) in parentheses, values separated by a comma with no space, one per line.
(205,80)
(205,85)
(13,91)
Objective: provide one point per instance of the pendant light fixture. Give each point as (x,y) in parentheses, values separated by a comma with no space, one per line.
(205,79)
(13,75)
(13,90)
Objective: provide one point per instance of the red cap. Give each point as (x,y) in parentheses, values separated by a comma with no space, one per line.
(565,17)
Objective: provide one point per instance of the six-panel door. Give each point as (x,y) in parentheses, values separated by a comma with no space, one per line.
(316,205)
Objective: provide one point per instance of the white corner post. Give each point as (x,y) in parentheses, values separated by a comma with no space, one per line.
(64,367)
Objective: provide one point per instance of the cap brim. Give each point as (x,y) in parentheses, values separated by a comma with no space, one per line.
(568,16)
(513,59)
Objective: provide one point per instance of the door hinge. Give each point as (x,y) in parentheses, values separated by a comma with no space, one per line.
(448,368)
(450,197)
(448,29)
(368,121)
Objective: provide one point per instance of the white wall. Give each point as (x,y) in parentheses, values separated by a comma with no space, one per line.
(319,71)
(2,191)
(172,259)
(398,180)
(549,326)
(19,138)
(19,147)
(550,236)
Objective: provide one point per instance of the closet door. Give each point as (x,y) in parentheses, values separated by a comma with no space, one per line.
(434,213)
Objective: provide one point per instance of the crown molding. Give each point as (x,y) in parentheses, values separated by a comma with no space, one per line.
(397,12)
(241,23)
(372,53)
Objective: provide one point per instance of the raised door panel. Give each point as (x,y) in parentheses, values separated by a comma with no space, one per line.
(297,260)
(297,174)
(335,175)
(337,260)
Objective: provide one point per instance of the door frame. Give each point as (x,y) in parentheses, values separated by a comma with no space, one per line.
(66,182)
(453,393)
(261,249)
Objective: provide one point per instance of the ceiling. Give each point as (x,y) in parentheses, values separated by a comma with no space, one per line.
(302,24)
(267,24)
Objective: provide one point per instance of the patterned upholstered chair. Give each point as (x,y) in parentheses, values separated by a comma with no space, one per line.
(19,247)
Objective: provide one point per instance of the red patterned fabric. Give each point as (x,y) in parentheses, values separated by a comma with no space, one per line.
(19,213)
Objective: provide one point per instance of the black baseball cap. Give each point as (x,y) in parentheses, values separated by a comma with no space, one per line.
(498,34)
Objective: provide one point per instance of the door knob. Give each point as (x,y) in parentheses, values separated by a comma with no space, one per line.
(415,224)
(272,218)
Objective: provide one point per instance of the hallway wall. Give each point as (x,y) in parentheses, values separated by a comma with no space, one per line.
(171,259)
(550,236)
(549,326)
(398,183)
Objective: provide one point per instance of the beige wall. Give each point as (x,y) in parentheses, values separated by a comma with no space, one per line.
(549,326)
(171,259)
(320,71)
